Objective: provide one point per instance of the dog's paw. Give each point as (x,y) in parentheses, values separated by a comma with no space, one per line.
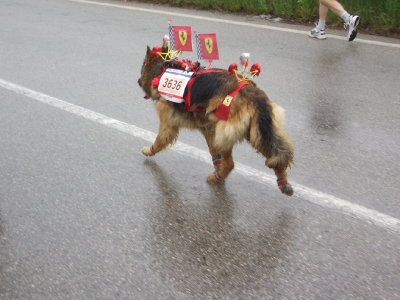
(147,151)
(286,189)
(213,179)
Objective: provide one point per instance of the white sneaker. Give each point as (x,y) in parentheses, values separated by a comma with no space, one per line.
(351,27)
(319,34)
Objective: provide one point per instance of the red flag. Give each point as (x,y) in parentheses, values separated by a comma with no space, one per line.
(182,38)
(207,43)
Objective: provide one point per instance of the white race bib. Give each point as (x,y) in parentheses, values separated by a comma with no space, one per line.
(173,83)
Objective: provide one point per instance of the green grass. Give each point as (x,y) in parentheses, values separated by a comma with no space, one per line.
(376,15)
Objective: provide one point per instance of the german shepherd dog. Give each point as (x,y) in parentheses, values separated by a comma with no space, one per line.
(252,117)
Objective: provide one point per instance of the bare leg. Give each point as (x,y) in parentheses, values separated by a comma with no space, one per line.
(323,11)
(333,5)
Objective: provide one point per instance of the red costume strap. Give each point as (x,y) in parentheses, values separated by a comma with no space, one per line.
(222,111)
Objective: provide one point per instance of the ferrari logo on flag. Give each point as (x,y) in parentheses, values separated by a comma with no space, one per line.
(183,37)
(209,45)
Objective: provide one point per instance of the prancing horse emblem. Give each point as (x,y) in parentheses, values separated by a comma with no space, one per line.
(183,37)
(209,45)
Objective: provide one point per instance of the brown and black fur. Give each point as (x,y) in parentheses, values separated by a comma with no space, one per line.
(253,117)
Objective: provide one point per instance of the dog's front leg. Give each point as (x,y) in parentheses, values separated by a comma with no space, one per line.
(209,135)
(167,134)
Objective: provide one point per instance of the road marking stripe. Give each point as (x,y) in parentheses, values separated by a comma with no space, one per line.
(303,192)
(358,40)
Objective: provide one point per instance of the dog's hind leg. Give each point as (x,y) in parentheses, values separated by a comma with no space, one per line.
(268,138)
(225,167)
(282,181)
(279,159)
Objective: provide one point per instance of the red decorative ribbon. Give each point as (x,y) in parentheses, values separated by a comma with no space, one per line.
(282,182)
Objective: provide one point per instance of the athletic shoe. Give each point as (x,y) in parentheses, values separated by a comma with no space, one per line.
(351,27)
(319,34)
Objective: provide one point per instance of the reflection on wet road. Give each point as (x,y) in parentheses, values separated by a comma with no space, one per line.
(199,246)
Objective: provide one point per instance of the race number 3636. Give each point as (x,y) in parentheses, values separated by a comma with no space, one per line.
(173,83)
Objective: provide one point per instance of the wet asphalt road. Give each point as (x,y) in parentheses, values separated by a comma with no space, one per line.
(84,215)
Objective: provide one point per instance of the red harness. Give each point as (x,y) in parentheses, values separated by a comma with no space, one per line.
(186,96)
(222,111)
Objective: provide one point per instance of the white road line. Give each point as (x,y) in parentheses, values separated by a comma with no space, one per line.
(169,13)
(303,192)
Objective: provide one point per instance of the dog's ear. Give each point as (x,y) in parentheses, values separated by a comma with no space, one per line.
(148,52)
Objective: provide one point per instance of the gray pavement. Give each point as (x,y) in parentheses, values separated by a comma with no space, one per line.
(84,215)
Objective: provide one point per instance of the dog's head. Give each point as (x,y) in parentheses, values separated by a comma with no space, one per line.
(151,68)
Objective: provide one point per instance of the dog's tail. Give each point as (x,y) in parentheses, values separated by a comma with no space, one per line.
(267,133)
